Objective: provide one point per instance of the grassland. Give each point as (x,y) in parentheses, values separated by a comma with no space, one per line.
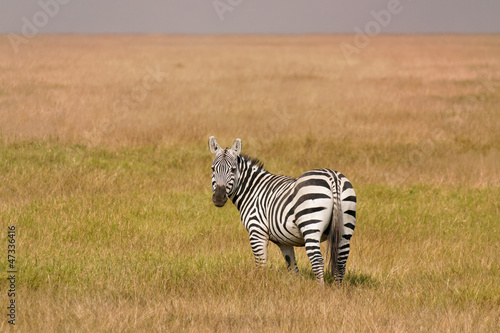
(105,172)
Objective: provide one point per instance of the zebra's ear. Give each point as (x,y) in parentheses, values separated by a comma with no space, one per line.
(213,145)
(236,147)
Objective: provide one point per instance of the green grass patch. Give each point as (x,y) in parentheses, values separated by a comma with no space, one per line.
(127,225)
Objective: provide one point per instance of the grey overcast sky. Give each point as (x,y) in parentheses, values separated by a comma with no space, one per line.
(249,16)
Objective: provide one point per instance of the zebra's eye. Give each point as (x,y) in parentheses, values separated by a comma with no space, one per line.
(233,169)
(213,169)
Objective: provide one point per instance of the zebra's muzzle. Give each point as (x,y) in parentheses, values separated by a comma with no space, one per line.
(220,197)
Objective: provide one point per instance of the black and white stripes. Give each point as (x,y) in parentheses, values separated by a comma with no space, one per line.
(319,205)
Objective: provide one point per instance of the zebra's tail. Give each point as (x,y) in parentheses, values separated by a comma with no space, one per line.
(335,230)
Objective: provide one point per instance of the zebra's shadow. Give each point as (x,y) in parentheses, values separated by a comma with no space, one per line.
(353,278)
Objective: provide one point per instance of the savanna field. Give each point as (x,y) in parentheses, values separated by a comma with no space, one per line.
(105,174)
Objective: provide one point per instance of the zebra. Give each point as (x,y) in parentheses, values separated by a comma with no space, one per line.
(291,212)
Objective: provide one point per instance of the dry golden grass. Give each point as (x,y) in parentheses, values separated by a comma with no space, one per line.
(417,97)
(106,173)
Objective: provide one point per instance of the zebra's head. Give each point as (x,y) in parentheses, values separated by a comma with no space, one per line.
(224,170)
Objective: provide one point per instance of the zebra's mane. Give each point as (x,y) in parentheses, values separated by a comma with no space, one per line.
(253,161)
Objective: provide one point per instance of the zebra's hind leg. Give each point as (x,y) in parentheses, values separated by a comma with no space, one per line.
(339,273)
(289,255)
(314,253)
(341,261)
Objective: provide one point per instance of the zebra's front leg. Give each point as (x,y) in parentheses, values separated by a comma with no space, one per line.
(289,255)
(313,251)
(259,243)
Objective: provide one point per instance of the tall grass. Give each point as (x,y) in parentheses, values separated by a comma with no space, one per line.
(116,229)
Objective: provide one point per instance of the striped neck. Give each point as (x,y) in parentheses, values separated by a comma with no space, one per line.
(250,172)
